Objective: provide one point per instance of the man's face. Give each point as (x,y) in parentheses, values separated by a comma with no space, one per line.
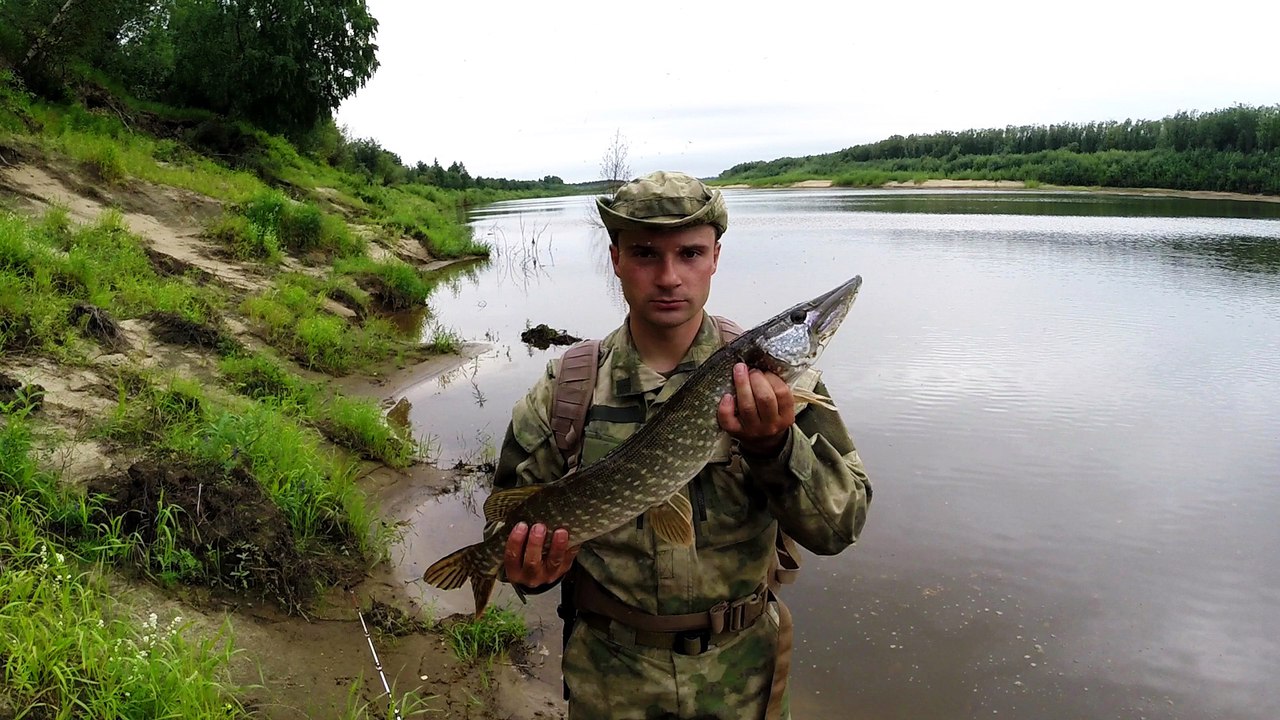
(666,275)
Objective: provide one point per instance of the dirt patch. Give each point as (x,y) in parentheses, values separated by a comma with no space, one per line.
(16,394)
(171,220)
(74,397)
(543,336)
(223,520)
(97,324)
(391,620)
(177,330)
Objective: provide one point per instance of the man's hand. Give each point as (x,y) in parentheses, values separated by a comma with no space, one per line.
(524,562)
(763,413)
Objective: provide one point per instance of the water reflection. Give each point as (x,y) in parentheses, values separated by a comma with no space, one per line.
(1240,253)
(1069,404)
(1030,202)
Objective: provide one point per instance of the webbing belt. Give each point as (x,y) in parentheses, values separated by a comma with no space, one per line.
(726,616)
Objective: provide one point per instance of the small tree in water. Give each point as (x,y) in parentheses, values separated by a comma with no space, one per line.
(615,170)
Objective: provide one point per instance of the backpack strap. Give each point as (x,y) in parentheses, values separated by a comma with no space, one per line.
(571,398)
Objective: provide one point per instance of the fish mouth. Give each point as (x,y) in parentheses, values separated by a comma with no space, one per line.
(830,308)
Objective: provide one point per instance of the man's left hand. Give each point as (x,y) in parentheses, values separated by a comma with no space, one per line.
(762,413)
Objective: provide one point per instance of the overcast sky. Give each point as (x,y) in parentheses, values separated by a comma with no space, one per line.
(527,89)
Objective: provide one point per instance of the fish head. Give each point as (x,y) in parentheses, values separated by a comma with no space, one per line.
(790,342)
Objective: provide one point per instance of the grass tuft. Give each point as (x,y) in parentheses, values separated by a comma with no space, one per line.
(246,239)
(360,424)
(394,284)
(493,633)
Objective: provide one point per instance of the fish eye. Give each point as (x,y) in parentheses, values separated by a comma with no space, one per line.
(798,317)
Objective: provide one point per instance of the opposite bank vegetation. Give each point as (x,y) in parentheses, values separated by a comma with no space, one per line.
(1235,149)
(241,481)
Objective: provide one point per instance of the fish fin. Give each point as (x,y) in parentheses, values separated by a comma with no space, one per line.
(459,566)
(672,521)
(482,590)
(497,505)
(812,398)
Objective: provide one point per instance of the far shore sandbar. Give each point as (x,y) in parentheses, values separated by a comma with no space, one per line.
(946,183)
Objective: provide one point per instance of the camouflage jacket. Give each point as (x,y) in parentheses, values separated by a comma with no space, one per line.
(816,487)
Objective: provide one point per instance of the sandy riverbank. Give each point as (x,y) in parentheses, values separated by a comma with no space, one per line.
(314,662)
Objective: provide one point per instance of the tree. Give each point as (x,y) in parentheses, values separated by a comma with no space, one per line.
(614,167)
(43,36)
(283,64)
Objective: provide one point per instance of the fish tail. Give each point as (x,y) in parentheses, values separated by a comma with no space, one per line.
(454,569)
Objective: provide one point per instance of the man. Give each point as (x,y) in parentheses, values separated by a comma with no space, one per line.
(774,469)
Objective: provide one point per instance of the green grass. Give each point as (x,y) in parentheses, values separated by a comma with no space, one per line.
(775,180)
(249,166)
(865,178)
(406,705)
(50,268)
(444,340)
(246,239)
(359,424)
(69,649)
(293,317)
(92,136)
(493,633)
(356,423)
(300,226)
(395,285)
(429,214)
(264,378)
(315,491)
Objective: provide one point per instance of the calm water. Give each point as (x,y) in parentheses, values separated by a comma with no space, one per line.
(1069,406)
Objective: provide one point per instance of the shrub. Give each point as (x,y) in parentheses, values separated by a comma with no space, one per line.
(492,633)
(246,239)
(322,343)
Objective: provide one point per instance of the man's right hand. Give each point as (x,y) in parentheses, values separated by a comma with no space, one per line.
(524,561)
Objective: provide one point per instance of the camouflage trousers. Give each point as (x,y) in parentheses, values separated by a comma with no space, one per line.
(615,681)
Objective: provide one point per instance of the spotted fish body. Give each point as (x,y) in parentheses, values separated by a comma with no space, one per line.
(650,468)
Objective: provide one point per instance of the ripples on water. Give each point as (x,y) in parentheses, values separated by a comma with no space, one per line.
(1070,408)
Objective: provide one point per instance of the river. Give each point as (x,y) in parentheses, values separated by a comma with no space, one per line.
(1069,406)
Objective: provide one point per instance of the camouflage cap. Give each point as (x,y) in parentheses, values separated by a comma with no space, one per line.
(663,201)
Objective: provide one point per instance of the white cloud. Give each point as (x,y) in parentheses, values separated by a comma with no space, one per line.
(519,89)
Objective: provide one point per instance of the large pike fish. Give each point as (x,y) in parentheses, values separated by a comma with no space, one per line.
(646,472)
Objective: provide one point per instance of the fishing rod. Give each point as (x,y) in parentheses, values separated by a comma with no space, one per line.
(376,662)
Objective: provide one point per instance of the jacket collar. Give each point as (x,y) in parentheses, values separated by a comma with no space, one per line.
(632,377)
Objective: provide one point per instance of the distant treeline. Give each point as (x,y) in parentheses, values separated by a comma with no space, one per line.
(1235,149)
(366,156)
(280,65)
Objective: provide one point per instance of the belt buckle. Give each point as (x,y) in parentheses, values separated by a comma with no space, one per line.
(732,616)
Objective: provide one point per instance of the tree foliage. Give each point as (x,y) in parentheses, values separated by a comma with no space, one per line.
(284,65)
(1234,149)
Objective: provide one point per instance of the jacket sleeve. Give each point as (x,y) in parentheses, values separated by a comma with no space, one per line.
(529,455)
(816,486)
